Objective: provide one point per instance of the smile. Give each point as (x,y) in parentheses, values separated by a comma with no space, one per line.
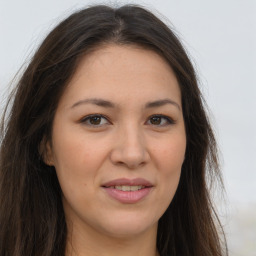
(128,188)
(128,191)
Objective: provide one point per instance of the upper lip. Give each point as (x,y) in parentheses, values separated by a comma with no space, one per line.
(128,182)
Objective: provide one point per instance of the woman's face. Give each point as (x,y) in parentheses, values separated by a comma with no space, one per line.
(118,141)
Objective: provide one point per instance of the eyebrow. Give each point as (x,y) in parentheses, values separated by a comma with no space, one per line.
(159,103)
(95,101)
(109,104)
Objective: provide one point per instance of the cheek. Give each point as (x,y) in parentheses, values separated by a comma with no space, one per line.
(71,157)
(170,154)
(76,152)
(77,164)
(77,159)
(170,157)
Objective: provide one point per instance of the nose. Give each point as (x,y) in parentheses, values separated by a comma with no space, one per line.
(130,149)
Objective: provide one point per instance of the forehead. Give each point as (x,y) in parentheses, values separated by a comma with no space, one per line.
(122,73)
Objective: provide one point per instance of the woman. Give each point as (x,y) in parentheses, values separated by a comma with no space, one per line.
(107,149)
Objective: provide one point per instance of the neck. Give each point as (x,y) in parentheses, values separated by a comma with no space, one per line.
(91,243)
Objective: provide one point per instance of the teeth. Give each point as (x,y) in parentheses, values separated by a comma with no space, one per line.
(128,188)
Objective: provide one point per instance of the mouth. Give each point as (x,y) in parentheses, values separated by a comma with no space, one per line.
(128,190)
(128,183)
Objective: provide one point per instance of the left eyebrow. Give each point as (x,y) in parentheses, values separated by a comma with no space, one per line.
(160,103)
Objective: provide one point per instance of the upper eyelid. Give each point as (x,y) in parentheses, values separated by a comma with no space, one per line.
(85,118)
(160,115)
(168,118)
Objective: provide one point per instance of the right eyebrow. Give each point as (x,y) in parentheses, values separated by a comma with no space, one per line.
(95,101)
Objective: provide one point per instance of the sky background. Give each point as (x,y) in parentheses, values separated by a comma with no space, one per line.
(220,37)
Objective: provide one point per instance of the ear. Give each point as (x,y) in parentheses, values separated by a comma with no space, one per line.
(45,152)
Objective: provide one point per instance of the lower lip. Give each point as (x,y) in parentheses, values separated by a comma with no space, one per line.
(128,197)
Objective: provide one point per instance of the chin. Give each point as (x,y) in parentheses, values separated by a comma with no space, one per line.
(126,226)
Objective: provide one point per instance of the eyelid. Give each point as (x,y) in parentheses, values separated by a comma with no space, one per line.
(86,118)
(170,121)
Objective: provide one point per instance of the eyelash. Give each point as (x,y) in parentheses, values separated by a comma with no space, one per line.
(87,118)
(169,121)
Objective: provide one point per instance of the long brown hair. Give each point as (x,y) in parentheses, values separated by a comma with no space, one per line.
(32,219)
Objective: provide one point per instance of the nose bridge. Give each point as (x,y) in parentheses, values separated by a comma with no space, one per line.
(132,139)
(130,148)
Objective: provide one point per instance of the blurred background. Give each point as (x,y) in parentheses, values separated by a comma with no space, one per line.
(220,37)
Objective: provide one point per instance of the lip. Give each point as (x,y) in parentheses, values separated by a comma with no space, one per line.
(128,182)
(128,197)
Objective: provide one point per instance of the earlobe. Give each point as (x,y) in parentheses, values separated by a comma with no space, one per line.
(45,152)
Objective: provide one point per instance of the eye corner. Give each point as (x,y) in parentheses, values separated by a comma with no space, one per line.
(164,120)
(95,120)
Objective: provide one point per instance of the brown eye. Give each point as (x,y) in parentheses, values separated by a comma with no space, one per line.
(156,120)
(94,120)
(160,120)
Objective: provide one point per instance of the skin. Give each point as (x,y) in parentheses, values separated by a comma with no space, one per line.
(127,143)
